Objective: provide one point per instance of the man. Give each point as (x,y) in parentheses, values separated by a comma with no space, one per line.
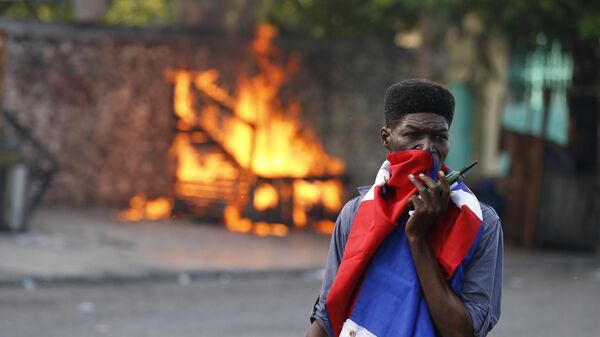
(418,114)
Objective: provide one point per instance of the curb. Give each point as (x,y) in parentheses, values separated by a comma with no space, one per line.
(181,277)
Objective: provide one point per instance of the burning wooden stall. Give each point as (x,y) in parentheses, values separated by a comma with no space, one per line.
(245,157)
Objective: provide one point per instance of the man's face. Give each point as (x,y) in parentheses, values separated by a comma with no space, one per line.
(419,131)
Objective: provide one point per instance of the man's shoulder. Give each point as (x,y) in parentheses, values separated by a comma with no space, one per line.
(346,216)
(350,208)
(488,212)
(351,205)
(491,220)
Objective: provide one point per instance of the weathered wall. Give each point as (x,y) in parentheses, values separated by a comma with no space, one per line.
(98,98)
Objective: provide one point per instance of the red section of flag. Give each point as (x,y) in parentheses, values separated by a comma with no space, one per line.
(452,236)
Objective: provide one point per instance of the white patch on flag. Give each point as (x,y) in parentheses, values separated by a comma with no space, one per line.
(382,176)
(370,195)
(351,329)
(462,198)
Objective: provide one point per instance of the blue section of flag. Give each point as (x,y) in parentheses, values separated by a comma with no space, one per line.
(389,301)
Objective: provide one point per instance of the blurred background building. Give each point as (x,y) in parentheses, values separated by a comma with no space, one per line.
(89,92)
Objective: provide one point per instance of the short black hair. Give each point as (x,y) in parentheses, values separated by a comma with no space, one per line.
(417,95)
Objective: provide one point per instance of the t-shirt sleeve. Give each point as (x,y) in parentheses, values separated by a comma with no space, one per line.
(482,288)
(334,258)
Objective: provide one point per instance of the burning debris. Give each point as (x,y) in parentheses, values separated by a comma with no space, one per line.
(246,159)
(141,208)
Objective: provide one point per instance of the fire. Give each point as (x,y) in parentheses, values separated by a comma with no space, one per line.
(308,194)
(262,133)
(193,168)
(141,208)
(234,222)
(325,226)
(183,102)
(251,143)
(265,197)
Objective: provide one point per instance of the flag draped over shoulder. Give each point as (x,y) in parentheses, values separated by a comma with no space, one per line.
(376,291)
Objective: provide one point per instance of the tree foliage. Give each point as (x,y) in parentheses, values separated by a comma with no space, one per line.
(522,20)
(140,13)
(565,20)
(48,11)
(321,18)
(119,12)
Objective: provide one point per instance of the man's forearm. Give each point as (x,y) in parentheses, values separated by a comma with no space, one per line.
(315,330)
(448,312)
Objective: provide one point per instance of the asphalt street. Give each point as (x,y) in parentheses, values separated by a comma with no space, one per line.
(220,308)
(537,302)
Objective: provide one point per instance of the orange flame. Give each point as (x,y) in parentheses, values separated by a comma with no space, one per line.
(256,132)
(184,101)
(194,169)
(265,197)
(141,208)
(308,194)
(325,226)
(262,134)
(234,222)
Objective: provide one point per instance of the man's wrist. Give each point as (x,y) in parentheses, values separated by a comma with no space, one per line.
(416,241)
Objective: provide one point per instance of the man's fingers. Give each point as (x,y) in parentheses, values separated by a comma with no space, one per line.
(415,202)
(423,193)
(444,186)
(430,183)
(417,183)
(434,191)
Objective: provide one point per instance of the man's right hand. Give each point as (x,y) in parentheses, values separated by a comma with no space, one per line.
(315,330)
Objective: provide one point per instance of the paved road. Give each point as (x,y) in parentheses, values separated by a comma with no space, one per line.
(274,307)
(550,302)
(537,302)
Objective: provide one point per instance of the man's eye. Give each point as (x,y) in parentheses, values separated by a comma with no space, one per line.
(410,134)
(441,137)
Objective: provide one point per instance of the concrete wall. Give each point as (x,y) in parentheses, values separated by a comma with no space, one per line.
(99,100)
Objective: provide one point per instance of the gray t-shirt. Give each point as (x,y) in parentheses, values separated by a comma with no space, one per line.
(482,286)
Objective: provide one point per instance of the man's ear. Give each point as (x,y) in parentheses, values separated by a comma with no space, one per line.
(385,137)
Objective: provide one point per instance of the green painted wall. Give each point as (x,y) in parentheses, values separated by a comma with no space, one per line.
(462,126)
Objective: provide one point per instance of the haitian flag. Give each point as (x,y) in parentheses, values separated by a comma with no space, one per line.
(376,291)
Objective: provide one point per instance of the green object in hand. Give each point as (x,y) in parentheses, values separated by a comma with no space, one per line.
(457,175)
